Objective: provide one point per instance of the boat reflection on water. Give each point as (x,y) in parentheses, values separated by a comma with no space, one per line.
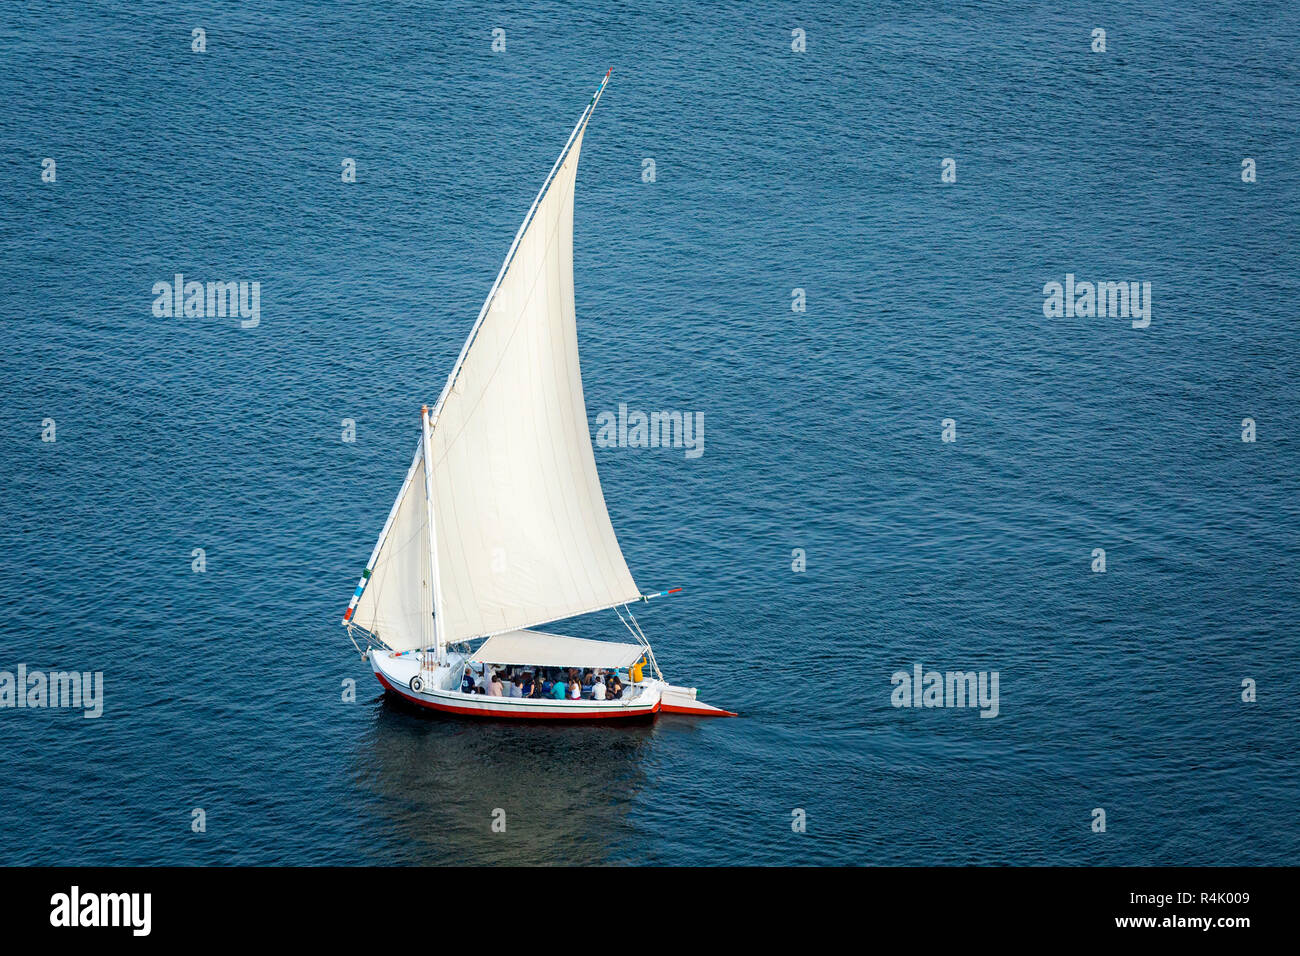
(437,781)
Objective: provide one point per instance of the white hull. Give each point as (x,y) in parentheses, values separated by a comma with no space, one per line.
(396,671)
(439,689)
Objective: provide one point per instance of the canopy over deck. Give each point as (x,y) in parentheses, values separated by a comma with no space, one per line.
(555,650)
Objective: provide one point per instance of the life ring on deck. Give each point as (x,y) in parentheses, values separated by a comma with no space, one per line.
(417,685)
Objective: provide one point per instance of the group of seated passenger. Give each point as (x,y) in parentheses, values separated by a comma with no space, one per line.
(554,683)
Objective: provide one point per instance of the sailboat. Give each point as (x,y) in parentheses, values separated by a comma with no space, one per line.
(500,526)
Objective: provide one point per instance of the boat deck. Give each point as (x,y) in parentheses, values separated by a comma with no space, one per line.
(439,689)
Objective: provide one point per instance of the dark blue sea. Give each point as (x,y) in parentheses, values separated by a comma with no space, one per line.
(775,170)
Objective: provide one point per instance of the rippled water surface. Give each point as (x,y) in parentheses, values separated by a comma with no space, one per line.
(774,170)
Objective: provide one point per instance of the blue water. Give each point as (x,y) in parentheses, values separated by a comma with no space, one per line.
(774,170)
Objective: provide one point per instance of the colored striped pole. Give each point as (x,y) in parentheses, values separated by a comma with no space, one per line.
(352,605)
(646,597)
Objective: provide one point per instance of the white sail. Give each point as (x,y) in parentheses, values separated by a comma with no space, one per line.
(395,602)
(522,532)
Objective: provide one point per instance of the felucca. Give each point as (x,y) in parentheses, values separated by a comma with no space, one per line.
(500,525)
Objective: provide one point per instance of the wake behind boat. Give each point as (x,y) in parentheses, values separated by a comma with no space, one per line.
(500,525)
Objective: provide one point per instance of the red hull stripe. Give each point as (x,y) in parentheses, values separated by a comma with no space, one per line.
(482,712)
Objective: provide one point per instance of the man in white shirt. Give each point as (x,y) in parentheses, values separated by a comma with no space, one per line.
(598,690)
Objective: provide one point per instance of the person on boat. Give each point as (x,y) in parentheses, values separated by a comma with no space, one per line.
(508,683)
(467,682)
(560,690)
(517,686)
(575,690)
(547,686)
(598,690)
(526,687)
(615,687)
(497,689)
(636,671)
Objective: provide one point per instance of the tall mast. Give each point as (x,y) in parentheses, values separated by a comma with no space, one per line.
(425,426)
